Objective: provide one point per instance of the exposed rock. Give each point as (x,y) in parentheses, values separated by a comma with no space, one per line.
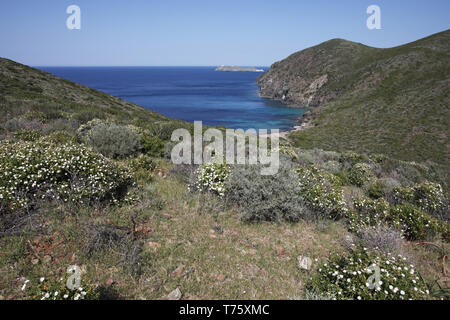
(304,263)
(175,295)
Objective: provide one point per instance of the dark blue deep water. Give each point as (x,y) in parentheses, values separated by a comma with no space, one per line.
(228,99)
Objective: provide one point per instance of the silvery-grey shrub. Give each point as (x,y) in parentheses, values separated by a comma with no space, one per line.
(114,141)
(265,198)
(382,238)
(15,124)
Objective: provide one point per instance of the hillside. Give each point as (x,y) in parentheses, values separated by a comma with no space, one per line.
(393,101)
(62,102)
(85,181)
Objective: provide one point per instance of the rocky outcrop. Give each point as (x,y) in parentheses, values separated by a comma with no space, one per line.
(301,79)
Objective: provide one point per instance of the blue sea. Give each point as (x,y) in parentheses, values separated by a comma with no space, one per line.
(227,99)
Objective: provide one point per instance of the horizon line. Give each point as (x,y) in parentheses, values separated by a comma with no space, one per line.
(142,66)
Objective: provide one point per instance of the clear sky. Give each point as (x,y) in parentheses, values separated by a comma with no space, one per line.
(202,32)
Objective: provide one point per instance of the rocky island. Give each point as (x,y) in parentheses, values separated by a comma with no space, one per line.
(238,69)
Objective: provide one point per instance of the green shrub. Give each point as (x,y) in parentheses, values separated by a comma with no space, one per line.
(32,115)
(152,145)
(428,196)
(142,167)
(289,152)
(343,177)
(265,198)
(414,223)
(360,174)
(322,192)
(89,115)
(27,135)
(349,277)
(142,162)
(61,124)
(70,172)
(164,130)
(113,141)
(352,158)
(376,190)
(60,137)
(367,213)
(211,178)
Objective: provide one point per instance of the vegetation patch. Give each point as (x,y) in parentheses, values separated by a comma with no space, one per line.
(68,172)
(348,277)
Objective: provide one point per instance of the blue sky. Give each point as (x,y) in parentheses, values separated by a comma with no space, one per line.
(200,32)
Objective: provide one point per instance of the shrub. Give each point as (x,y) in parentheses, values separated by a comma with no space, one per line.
(68,125)
(376,190)
(32,115)
(60,137)
(15,124)
(322,192)
(288,151)
(152,145)
(332,166)
(360,174)
(428,196)
(45,289)
(164,130)
(113,141)
(389,183)
(383,238)
(349,159)
(142,167)
(70,172)
(265,198)
(211,178)
(414,223)
(317,157)
(142,162)
(342,176)
(351,277)
(27,135)
(89,115)
(367,213)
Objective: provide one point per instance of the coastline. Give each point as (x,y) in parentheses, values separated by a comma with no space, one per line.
(304,124)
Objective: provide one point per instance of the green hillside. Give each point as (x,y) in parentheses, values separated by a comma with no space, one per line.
(393,101)
(29,92)
(85,180)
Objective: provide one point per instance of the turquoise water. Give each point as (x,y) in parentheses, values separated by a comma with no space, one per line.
(227,99)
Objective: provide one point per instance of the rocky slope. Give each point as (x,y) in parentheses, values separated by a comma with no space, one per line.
(392,101)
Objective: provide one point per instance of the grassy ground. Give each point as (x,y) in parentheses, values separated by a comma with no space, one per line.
(188,241)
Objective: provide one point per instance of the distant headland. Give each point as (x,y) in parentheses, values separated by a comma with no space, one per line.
(238,69)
